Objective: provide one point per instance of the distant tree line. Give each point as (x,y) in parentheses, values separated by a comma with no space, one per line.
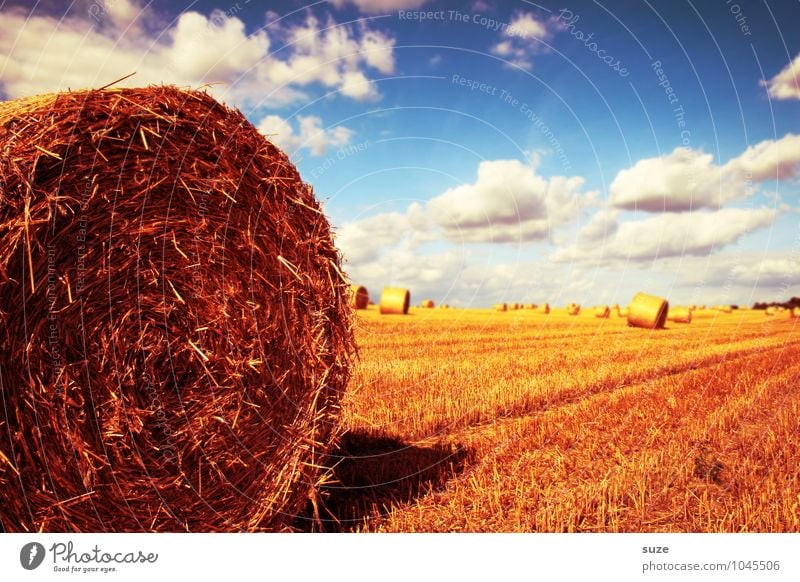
(793,302)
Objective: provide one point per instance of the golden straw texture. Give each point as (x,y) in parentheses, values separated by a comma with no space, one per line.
(175,333)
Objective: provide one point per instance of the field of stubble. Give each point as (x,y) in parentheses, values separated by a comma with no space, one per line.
(475,420)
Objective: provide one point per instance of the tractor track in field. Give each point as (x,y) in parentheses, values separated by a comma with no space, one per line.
(545,406)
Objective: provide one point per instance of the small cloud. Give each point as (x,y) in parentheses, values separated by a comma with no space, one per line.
(521,38)
(786,84)
(310,135)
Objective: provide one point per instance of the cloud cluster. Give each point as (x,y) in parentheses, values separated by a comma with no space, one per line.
(786,84)
(687,179)
(508,202)
(362,241)
(670,234)
(520,39)
(269,66)
(310,134)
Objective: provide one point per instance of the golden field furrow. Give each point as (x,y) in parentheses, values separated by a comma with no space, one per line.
(524,422)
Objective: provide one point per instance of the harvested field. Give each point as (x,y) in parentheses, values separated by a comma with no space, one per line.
(473,420)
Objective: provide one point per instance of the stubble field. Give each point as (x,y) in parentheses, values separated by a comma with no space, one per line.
(475,420)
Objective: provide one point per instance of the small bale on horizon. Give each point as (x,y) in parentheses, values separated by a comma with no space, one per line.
(359,297)
(647,311)
(679,315)
(395,301)
(602,311)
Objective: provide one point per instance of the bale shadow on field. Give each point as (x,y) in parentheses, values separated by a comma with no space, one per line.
(372,472)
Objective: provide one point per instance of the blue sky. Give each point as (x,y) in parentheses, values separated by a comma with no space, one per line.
(573,151)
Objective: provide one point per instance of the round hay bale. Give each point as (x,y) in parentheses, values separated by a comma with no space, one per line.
(679,315)
(702,308)
(359,297)
(530,306)
(501,307)
(795,312)
(622,312)
(395,301)
(726,309)
(573,309)
(602,311)
(544,308)
(647,311)
(692,307)
(175,333)
(770,311)
(427,304)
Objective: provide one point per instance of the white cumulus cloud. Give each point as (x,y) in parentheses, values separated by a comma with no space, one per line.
(310,134)
(508,202)
(687,179)
(786,84)
(90,48)
(521,39)
(670,234)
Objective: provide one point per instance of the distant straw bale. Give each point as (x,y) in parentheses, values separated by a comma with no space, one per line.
(359,297)
(647,311)
(395,301)
(679,315)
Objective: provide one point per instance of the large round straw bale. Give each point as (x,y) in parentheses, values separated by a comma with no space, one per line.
(679,315)
(770,311)
(395,301)
(530,306)
(726,308)
(573,309)
(359,297)
(602,311)
(175,333)
(501,307)
(795,312)
(427,304)
(647,311)
(543,308)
